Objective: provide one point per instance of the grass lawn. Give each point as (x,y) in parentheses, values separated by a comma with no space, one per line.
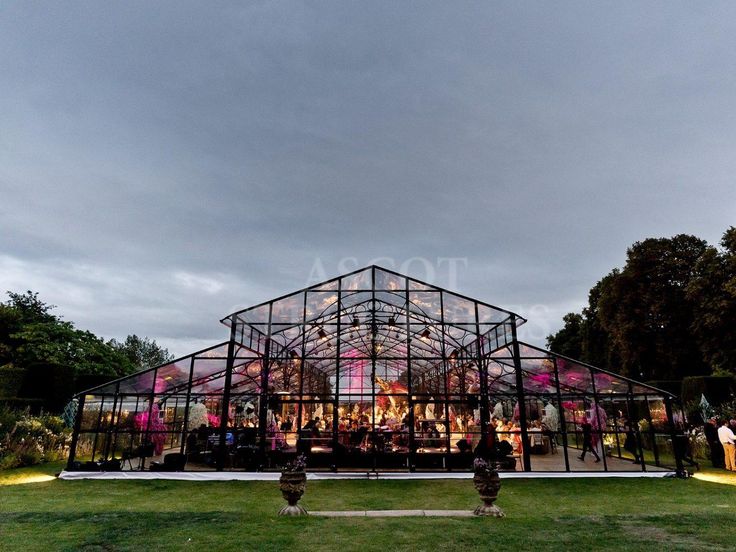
(40,513)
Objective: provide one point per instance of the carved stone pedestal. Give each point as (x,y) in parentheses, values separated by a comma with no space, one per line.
(487,483)
(292,486)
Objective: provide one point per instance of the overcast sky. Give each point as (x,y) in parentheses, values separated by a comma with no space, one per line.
(163,164)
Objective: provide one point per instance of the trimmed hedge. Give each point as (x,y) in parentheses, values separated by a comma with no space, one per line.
(672,386)
(717,389)
(11,379)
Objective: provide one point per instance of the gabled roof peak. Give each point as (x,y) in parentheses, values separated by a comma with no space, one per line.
(375,279)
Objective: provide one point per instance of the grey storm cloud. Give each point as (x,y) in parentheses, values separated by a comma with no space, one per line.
(164,164)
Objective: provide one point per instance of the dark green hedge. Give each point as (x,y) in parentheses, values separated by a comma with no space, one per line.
(11,379)
(717,389)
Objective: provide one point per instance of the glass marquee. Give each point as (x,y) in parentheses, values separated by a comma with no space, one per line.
(374,370)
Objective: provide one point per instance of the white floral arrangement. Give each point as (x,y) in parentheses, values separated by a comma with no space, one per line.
(197,416)
(698,443)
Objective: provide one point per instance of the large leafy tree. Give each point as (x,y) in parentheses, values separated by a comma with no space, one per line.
(583,337)
(141,352)
(51,352)
(646,311)
(595,339)
(569,340)
(667,314)
(713,292)
(20,310)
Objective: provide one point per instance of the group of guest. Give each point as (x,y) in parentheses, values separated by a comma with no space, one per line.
(203,439)
(722,442)
(359,432)
(536,430)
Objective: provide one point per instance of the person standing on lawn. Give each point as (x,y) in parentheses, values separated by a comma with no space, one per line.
(728,441)
(710,429)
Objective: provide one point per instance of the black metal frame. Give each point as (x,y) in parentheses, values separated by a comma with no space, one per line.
(333,344)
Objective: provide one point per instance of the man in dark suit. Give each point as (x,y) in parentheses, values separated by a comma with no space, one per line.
(710,430)
(588,441)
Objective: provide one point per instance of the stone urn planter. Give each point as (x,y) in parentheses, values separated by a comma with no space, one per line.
(487,483)
(292,483)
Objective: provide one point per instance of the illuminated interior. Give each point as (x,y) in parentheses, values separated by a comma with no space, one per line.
(373,370)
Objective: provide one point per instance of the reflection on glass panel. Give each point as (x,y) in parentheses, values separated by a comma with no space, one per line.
(174,374)
(218,351)
(206,368)
(320,303)
(358,302)
(426,303)
(386,280)
(255,315)
(538,376)
(288,310)
(458,309)
(504,353)
(574,377)
(488,314)
(140,383)
(360,280)
(425,341)
(389,300)
(501,376)
(459,336)
(419,286)
(391,370)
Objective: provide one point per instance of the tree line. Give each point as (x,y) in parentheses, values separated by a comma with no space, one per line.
(669,313)
(44,359)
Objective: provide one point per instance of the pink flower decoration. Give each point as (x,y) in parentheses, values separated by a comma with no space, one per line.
(156,425)
(542,379)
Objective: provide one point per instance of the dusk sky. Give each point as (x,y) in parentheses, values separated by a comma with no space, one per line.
(163,164)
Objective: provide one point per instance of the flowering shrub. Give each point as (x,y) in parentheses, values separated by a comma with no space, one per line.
(156,426)
(26,440)
(481,465)
(299,464)
(726,410)
(698,443)
(197,416)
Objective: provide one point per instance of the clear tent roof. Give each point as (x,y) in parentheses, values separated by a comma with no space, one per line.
(426,302)
(207,369)
(372,310)
(373,313)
